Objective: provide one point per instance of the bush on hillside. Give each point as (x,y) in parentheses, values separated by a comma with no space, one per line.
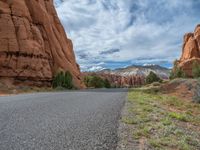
(177,72)
(152,77)
(63,80)
(196,70)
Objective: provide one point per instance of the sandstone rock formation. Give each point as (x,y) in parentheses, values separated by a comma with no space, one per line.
(118,80)
(33,43)
(190,52)
(125,81)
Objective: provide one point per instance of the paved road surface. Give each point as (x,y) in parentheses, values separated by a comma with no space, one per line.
(79,120)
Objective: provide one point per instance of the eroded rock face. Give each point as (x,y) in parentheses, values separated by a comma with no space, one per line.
(33,43)
(124,81)
(120,81)
(190,52)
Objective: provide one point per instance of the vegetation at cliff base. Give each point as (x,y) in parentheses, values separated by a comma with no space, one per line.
(96,82)
(196,70)
(63,80)
(177,72)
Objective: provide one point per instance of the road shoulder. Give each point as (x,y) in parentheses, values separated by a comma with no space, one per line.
(152,120)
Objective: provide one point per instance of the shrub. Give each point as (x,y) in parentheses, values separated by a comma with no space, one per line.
(196,70)
(96,82)
(152,77)
(179,116)
(68,80)
(87,80)
(177,72)
(107,83)
(63,80)
(196,97)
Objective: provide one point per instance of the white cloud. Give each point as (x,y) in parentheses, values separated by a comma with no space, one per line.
(139,29)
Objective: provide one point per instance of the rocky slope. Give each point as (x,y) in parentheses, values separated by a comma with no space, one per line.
(190,51)
(33,43)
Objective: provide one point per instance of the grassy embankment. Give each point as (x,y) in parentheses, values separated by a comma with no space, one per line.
(158,121)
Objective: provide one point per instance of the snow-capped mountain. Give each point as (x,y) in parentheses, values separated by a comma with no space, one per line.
(139,70)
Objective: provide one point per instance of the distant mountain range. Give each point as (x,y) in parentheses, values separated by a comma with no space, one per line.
(138,70)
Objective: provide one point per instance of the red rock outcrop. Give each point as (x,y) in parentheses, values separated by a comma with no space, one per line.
(33,43)
(190,52)
(124,81)
(120,81)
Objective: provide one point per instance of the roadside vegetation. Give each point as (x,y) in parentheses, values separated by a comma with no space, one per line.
(96,82)
(158,121)
(63,81)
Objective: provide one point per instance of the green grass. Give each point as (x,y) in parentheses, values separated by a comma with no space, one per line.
(179,116)
(129,120)
(163,120)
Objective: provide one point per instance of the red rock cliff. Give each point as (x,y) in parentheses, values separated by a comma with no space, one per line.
(33,43)
(191,51)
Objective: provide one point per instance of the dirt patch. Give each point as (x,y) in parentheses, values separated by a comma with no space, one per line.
(185,89)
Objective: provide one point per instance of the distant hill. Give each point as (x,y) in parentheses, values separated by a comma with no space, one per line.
(138,70)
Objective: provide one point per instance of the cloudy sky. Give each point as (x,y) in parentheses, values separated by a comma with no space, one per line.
(119,33)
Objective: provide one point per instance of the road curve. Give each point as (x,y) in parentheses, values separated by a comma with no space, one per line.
(76,120)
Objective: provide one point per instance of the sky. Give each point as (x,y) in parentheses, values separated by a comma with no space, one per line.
(119,33)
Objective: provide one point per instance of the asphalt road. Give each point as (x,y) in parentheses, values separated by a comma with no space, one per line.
(79,120)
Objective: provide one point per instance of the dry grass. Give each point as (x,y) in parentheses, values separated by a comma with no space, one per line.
(162,121)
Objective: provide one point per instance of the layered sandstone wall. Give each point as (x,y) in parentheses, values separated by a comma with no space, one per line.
(191,51)
(33,43)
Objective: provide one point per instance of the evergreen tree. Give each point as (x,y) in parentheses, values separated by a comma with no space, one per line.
(152,77)
(63,80)
(107,83)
